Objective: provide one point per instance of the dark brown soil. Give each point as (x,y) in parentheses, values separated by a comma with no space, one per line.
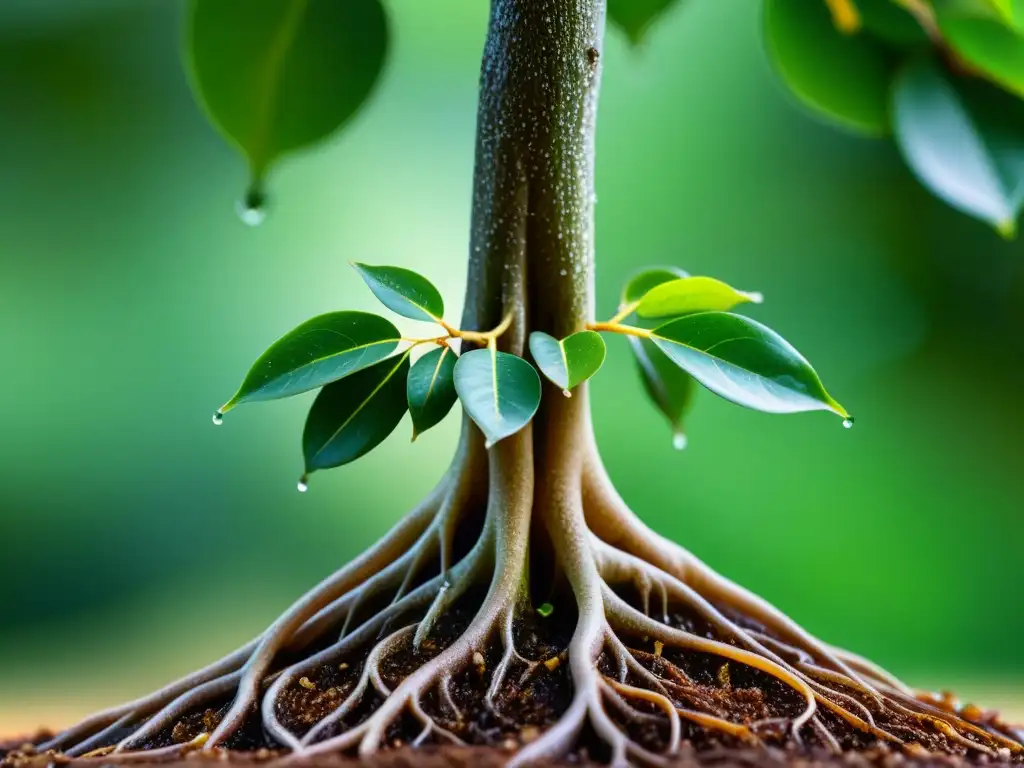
(483,757)
(533,697)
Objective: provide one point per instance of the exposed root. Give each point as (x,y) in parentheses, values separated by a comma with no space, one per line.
(663,651)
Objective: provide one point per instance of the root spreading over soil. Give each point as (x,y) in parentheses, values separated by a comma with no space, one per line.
(430,640)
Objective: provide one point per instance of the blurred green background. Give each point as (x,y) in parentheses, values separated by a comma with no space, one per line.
(138,541)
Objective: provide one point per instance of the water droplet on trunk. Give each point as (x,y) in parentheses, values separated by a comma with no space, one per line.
(218,418)
(848,422)
(679,441)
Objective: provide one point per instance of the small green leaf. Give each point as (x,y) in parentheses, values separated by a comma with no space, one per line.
(319,351)
(570,361)
(669,386)
(966,144)
(403,291)
(351,417)
(988,44)
(890,22)
(635,17)
(745,362)
(499,391)
(545,609)
(842,77)
(431,389)
(279,75)
(693,294)
(642,282)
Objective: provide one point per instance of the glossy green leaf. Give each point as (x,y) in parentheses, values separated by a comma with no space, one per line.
(693,294)
(431,389)
(404,292)
(965,144)
(640,283)
(670,388)
(889,21)
(635,17)
(843,77)
(352,416)
(279,75)
(499,391)
(570,361)
(319,351)
(745,362)
(988,44)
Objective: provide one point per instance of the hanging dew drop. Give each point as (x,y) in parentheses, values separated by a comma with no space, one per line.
(303,484)
(567,393)
(679,441)
(218,418)
(252,209)
(848,422)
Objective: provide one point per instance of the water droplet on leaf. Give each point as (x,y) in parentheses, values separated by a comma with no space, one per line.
(218,418)
(848,422)
(303,484)
(679,441)
(567,393)
(252,209)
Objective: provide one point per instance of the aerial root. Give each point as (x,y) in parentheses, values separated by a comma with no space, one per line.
(638,701)
(831,679)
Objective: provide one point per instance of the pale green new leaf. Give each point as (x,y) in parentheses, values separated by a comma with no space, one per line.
(643,281)
(354,415)
(279,75)
(499,391)
(403,291)
(745,362)
(965,143)
(693,294)
(843,77)
(431,389)
(319,351)
(570,361)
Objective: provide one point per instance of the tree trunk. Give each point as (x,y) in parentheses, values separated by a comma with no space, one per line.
(532,241)
(532,235)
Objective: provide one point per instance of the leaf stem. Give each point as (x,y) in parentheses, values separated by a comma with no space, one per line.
(441,341)
(844,15)
(480,337)
(615,327)
(625,310)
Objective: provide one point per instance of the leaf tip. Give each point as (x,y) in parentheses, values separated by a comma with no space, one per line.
(303,485)
(1007,229)
(754,297)
(837,409)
